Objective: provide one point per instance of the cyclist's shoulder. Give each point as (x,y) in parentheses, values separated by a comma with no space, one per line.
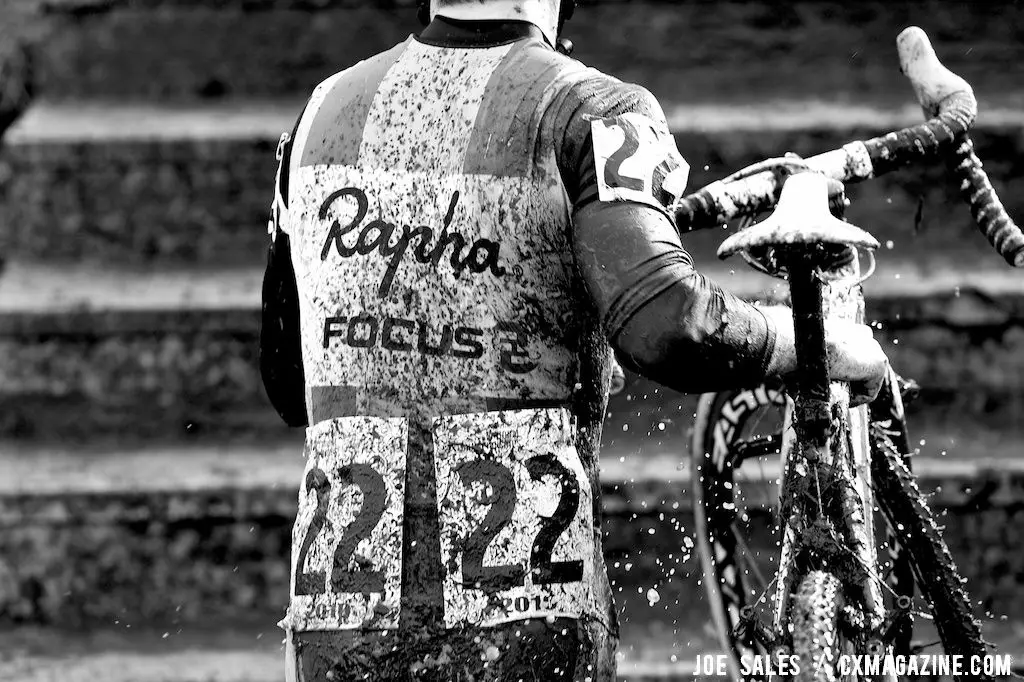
(593,94)
(365,74)
(600,94)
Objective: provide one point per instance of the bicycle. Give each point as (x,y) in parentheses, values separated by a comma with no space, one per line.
(829,594)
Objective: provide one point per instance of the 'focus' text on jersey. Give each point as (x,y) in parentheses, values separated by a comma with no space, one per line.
(432,250)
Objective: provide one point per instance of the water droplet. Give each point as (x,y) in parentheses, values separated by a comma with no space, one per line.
(653,597)
(889,244)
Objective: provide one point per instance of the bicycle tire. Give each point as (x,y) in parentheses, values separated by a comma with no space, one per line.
(814,617)
(938,578)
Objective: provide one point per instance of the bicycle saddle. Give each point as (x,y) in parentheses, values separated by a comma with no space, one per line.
(800,218)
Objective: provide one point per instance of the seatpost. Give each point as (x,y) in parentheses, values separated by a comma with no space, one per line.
(813,422)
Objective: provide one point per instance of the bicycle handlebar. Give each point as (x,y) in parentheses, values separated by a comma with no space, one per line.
(987,210)
(948,101)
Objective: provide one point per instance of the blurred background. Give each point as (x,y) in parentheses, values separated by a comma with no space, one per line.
(147,488)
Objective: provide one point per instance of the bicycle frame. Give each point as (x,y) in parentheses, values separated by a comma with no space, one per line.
(847,458)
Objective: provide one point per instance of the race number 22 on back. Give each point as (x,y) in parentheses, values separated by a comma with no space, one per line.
(515,511)
(347,538)
(515,516)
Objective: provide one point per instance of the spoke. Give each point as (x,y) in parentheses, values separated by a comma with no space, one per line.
(759,416)
(765,591)
(742,543)
(817,485)
(872,573)
(918,648)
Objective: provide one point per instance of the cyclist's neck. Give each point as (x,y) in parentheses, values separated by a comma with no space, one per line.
(446,31)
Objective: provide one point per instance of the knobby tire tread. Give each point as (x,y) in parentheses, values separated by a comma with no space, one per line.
(814,615)
(938,579)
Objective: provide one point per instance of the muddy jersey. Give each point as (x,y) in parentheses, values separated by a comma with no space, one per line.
(428,220)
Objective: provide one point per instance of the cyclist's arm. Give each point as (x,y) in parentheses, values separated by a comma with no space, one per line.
(664,319)
(280,339)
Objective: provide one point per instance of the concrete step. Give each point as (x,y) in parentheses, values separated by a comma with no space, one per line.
(173,353)
(707,50)
(176,533)
(138,184)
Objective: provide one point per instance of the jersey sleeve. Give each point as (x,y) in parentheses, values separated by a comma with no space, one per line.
(614,145)
(622,171)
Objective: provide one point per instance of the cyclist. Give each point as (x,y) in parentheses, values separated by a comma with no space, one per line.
(465,227)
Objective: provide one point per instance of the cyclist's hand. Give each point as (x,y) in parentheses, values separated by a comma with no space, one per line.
(853,354)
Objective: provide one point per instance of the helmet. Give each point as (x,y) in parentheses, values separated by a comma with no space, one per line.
(565,12)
